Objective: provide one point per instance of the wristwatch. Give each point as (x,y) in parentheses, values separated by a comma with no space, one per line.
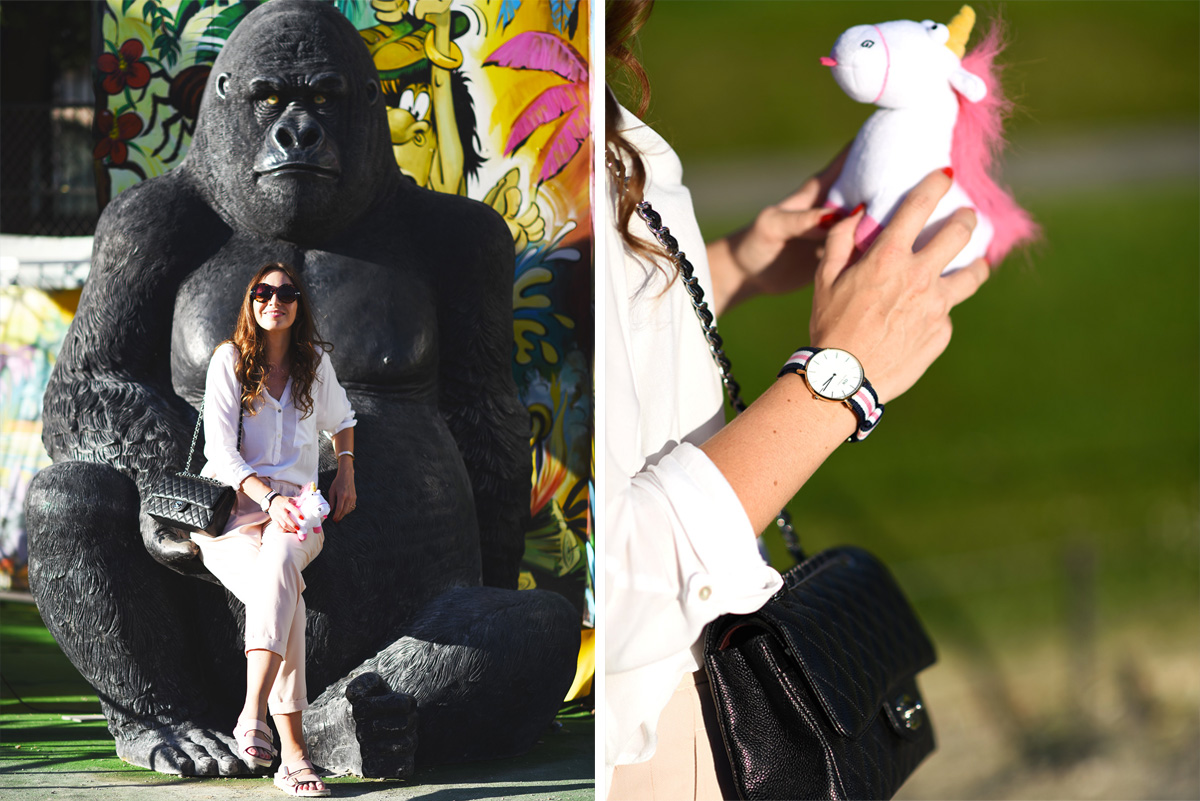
(266,501)
(835,375)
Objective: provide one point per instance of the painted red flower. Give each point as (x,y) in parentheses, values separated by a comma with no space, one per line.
(117,131)
(124,69)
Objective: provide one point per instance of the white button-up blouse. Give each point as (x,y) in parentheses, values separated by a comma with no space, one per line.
(277,443)
(680,550)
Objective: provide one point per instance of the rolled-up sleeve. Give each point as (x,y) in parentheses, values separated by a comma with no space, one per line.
(222,407)
(332,408)
(680,553)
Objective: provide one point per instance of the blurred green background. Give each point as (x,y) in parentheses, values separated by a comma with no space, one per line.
(1037,492)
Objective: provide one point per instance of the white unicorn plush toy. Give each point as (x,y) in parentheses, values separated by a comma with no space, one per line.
(311,510)
(938,108)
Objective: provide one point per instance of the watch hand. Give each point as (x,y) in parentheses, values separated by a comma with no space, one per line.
(827,382)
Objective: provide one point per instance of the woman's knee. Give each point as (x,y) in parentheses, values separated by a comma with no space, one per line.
(287,550)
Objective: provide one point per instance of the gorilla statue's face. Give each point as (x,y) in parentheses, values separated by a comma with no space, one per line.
(292,139)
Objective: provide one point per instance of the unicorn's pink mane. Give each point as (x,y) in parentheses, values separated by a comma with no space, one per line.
(978,139)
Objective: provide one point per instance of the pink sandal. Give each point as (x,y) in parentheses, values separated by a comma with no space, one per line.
(286,780)
(249,734)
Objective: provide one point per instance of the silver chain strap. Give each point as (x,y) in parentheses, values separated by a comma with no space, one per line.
(708,323)
(196,436)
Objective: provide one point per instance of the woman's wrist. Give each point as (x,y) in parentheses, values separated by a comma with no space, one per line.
(267,500)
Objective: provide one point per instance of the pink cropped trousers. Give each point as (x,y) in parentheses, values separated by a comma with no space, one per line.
(262,566)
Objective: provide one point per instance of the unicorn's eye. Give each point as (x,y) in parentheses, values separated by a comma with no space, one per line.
(868,43)
(938,32)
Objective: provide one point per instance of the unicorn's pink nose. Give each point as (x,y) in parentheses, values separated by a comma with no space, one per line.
(828,62)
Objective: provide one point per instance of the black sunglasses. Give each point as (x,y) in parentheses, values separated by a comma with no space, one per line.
(286,292)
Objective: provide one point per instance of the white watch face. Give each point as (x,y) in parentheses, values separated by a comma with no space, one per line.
(834,374)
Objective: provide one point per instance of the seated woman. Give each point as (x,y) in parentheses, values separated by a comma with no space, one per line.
(269,391)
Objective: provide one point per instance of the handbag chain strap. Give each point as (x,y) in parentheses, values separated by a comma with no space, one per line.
(708,323)
(196,436)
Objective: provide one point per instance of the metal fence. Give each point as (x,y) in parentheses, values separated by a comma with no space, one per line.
(47,173)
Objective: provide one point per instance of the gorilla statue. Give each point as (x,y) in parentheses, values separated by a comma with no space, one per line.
(420,649)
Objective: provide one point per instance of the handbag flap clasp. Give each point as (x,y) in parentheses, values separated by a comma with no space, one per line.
(853,635)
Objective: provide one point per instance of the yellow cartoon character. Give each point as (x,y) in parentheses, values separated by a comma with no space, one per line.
(430,111)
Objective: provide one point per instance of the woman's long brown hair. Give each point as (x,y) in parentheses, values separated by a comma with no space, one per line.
(248,338)
(622,21)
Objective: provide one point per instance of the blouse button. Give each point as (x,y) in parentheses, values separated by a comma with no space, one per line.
(705,593)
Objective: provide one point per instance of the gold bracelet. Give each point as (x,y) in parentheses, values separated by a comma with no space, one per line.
(450,62)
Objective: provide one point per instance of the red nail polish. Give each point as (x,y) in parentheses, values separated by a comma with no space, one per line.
(949,171)
(858,208)
(827,220)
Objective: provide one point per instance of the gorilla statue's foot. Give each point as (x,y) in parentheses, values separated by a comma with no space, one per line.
(363,727)
(184,749)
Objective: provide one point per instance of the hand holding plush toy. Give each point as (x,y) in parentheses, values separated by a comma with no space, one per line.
(938,108)
(311,510)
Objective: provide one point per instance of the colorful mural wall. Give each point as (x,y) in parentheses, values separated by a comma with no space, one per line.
(486,98)
(33,324)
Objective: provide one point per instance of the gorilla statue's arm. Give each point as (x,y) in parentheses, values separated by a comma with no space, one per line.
(478,395)
(110,398)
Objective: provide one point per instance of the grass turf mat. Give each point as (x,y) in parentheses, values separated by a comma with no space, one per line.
(47,733)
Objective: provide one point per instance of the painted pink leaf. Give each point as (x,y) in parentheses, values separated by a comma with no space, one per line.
(564,143)
(546,107)
(536,50)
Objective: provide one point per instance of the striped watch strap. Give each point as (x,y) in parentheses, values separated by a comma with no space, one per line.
(864,403)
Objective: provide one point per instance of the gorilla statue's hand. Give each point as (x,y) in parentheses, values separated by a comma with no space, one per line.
(173,548)
(365,728)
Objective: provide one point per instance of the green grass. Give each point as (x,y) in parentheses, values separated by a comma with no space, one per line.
(744,75)
(1062,421)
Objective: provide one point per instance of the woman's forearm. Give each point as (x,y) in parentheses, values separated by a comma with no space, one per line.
(255,488)
(728,279)
(343,448)
(770,450)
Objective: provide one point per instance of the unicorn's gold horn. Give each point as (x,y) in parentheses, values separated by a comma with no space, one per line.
(960,30)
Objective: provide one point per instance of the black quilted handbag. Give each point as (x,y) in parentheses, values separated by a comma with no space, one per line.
(816,693)
(190,502)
